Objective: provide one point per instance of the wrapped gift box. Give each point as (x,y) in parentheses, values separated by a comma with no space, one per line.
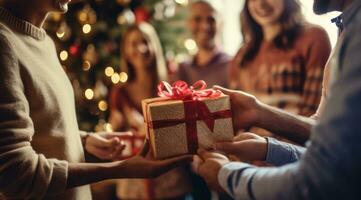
(177,127)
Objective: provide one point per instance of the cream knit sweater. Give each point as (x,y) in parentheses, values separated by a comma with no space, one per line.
(39,133)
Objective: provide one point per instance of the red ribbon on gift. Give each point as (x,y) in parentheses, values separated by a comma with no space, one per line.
(181,91)
(194,109)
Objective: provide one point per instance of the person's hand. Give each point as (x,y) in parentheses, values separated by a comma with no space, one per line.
(106,145)
(207,165)
(144,166)
(245,146)
(245,108)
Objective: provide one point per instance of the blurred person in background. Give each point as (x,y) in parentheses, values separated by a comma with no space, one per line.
(210,62)
(282,59)
(142,59)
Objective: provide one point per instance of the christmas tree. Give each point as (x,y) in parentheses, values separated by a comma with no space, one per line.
(88,39)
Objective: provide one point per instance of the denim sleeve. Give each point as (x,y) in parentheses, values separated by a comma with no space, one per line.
(281,153)
(330,167)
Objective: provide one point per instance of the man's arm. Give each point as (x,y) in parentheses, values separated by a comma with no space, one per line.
(330,166)
(135,167)
(249,111)
(293,127)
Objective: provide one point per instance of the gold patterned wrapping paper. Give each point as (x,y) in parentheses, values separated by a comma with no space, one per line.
(171,137)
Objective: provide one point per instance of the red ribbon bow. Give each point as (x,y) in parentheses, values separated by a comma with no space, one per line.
(194,109)
(181,91)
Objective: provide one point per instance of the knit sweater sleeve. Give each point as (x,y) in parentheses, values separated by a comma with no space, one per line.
(316,53)
(24,174)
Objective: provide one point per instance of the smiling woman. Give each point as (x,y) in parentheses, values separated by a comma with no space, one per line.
(283,56)
(231,36)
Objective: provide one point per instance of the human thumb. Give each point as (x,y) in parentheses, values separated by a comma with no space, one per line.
(227,147)
(115,141)
(224,90)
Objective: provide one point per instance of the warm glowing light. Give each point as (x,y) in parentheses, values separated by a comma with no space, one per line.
(64,55)
(108,127)
(89,94)
(182,2)
(123,77)
(190,44)
(86,65)
(83,16)
(87,28)
(115,78)
(102,105)
(56,16)
(60,34)
(109,71)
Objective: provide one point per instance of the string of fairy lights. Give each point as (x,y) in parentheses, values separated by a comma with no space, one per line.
(88,24)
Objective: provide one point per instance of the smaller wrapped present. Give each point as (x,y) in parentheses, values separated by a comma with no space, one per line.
(185,118)
(133,144)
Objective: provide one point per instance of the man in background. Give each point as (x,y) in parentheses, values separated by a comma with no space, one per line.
(210,62)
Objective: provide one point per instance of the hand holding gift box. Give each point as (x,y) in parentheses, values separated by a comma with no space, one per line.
(185,118)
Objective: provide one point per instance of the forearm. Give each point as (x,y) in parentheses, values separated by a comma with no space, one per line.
(313,177)
(293,127)
(86,173)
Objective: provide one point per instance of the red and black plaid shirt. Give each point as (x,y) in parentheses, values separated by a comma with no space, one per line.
(289,79)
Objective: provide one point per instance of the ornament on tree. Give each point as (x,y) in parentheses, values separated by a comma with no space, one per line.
(141,15)
(63,32)
(74,49)
(86,65)
(126,17)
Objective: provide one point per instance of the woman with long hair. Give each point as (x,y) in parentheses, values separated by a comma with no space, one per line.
(283,56)
(142,59)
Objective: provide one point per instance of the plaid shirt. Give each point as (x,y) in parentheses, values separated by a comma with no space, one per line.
(289,79)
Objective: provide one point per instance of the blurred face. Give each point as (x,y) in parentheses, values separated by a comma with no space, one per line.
(202,24)
(138,50)
(266,12)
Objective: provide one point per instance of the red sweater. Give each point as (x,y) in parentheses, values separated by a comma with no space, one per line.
(289,79)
